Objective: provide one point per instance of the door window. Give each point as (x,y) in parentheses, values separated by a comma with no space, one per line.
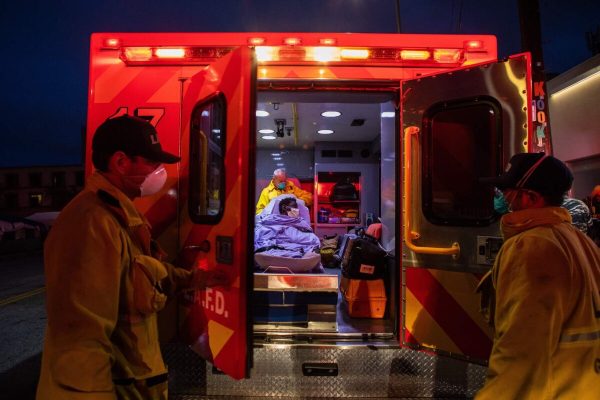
(207,155)
(461,143)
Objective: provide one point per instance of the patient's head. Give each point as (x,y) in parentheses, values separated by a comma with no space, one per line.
(289,206)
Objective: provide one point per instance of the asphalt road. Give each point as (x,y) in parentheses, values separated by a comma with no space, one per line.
(22,324)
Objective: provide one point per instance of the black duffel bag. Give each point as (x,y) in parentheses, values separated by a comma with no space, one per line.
(363,258)
(343,190)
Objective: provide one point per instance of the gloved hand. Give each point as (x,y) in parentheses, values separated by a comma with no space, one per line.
(201,279)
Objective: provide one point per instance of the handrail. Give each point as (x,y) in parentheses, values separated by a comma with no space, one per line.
(409,234)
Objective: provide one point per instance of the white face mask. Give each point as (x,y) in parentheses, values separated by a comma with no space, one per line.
(154,182)
(293,212)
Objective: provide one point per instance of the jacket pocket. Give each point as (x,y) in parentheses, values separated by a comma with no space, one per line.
(147,274)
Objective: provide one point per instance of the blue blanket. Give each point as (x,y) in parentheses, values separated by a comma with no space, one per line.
(284,236)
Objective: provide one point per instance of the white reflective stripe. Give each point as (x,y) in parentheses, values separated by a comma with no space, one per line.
(579,337)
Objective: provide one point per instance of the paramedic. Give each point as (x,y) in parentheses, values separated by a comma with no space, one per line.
(279,185)
(105,279)
(545,302)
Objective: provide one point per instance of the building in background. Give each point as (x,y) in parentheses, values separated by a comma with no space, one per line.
(28,190)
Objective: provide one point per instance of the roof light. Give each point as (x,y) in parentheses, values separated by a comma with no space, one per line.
(170,53)
(473,45)
(112,43)
(331,114)
(138,53)
(447,55)
(266,131)
(292,41)
(327,41)
(388,114)
(415,54)
(325,54)
(354,54)
(325,131)
(268,137)
(262,113)
(264,53)
(256,41)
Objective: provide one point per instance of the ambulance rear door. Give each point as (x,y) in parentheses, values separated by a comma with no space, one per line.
(456,127)
(216,207)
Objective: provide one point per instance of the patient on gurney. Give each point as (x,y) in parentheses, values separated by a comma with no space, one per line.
(283,238)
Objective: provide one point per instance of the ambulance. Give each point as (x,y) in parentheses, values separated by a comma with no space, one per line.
(412,121)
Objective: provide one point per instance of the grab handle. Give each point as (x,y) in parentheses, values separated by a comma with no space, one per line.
(409,234)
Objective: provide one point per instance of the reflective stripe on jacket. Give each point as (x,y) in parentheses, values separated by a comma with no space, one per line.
(103,290)
(270,192)
(547,328)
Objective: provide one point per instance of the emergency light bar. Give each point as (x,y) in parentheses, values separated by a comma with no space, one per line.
(297,54)
(171,55)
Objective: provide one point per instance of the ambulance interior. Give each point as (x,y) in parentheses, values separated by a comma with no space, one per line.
(324,139)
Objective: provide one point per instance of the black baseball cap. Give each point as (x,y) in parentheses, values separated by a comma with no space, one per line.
(544,174)
(133,136)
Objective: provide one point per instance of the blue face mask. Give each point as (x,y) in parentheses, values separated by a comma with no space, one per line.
(281,185)
(501,206)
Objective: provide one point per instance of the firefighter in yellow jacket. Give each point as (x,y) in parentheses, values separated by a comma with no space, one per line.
(281,185)
(105,279)
(545,303)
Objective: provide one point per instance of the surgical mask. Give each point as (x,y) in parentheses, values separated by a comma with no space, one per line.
(293,212)
(500,203)
(281,185)
(154,182)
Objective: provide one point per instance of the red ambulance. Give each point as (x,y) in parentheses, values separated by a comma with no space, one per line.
(411,120)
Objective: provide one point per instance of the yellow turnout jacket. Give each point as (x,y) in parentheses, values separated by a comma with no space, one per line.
(270,192)
(104,286)
(547,310)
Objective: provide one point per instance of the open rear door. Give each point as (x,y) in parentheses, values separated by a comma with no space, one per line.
(456,127)
(217,209)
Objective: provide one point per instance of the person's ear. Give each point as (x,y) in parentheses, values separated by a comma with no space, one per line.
(119,162)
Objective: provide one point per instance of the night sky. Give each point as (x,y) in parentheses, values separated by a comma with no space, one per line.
(45,44)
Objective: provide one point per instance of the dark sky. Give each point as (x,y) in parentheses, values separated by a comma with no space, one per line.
(44,47)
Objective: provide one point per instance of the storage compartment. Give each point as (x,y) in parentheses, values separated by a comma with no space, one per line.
(290,301)
(364,298)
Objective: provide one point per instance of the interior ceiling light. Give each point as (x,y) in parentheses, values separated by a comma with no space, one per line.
(277,158)
(275,154)
(268,137)
(388,114)
(262,113)
(325,131)
(331,114)
(266,131)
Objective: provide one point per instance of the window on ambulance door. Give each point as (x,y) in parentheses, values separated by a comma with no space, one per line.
(462,142)
(207,166)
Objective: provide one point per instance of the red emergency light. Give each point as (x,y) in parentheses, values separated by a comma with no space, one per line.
(474,45)
(292,41)
(256,41)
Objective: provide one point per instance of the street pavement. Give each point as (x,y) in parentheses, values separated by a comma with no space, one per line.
(22,324)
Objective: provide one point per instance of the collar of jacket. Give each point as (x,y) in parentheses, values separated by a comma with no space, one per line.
(132,217)
(518,221)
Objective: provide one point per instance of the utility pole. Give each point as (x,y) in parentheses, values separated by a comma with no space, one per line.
(531,41)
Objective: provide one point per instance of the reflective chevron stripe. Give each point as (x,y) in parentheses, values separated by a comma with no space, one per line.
(579,337)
